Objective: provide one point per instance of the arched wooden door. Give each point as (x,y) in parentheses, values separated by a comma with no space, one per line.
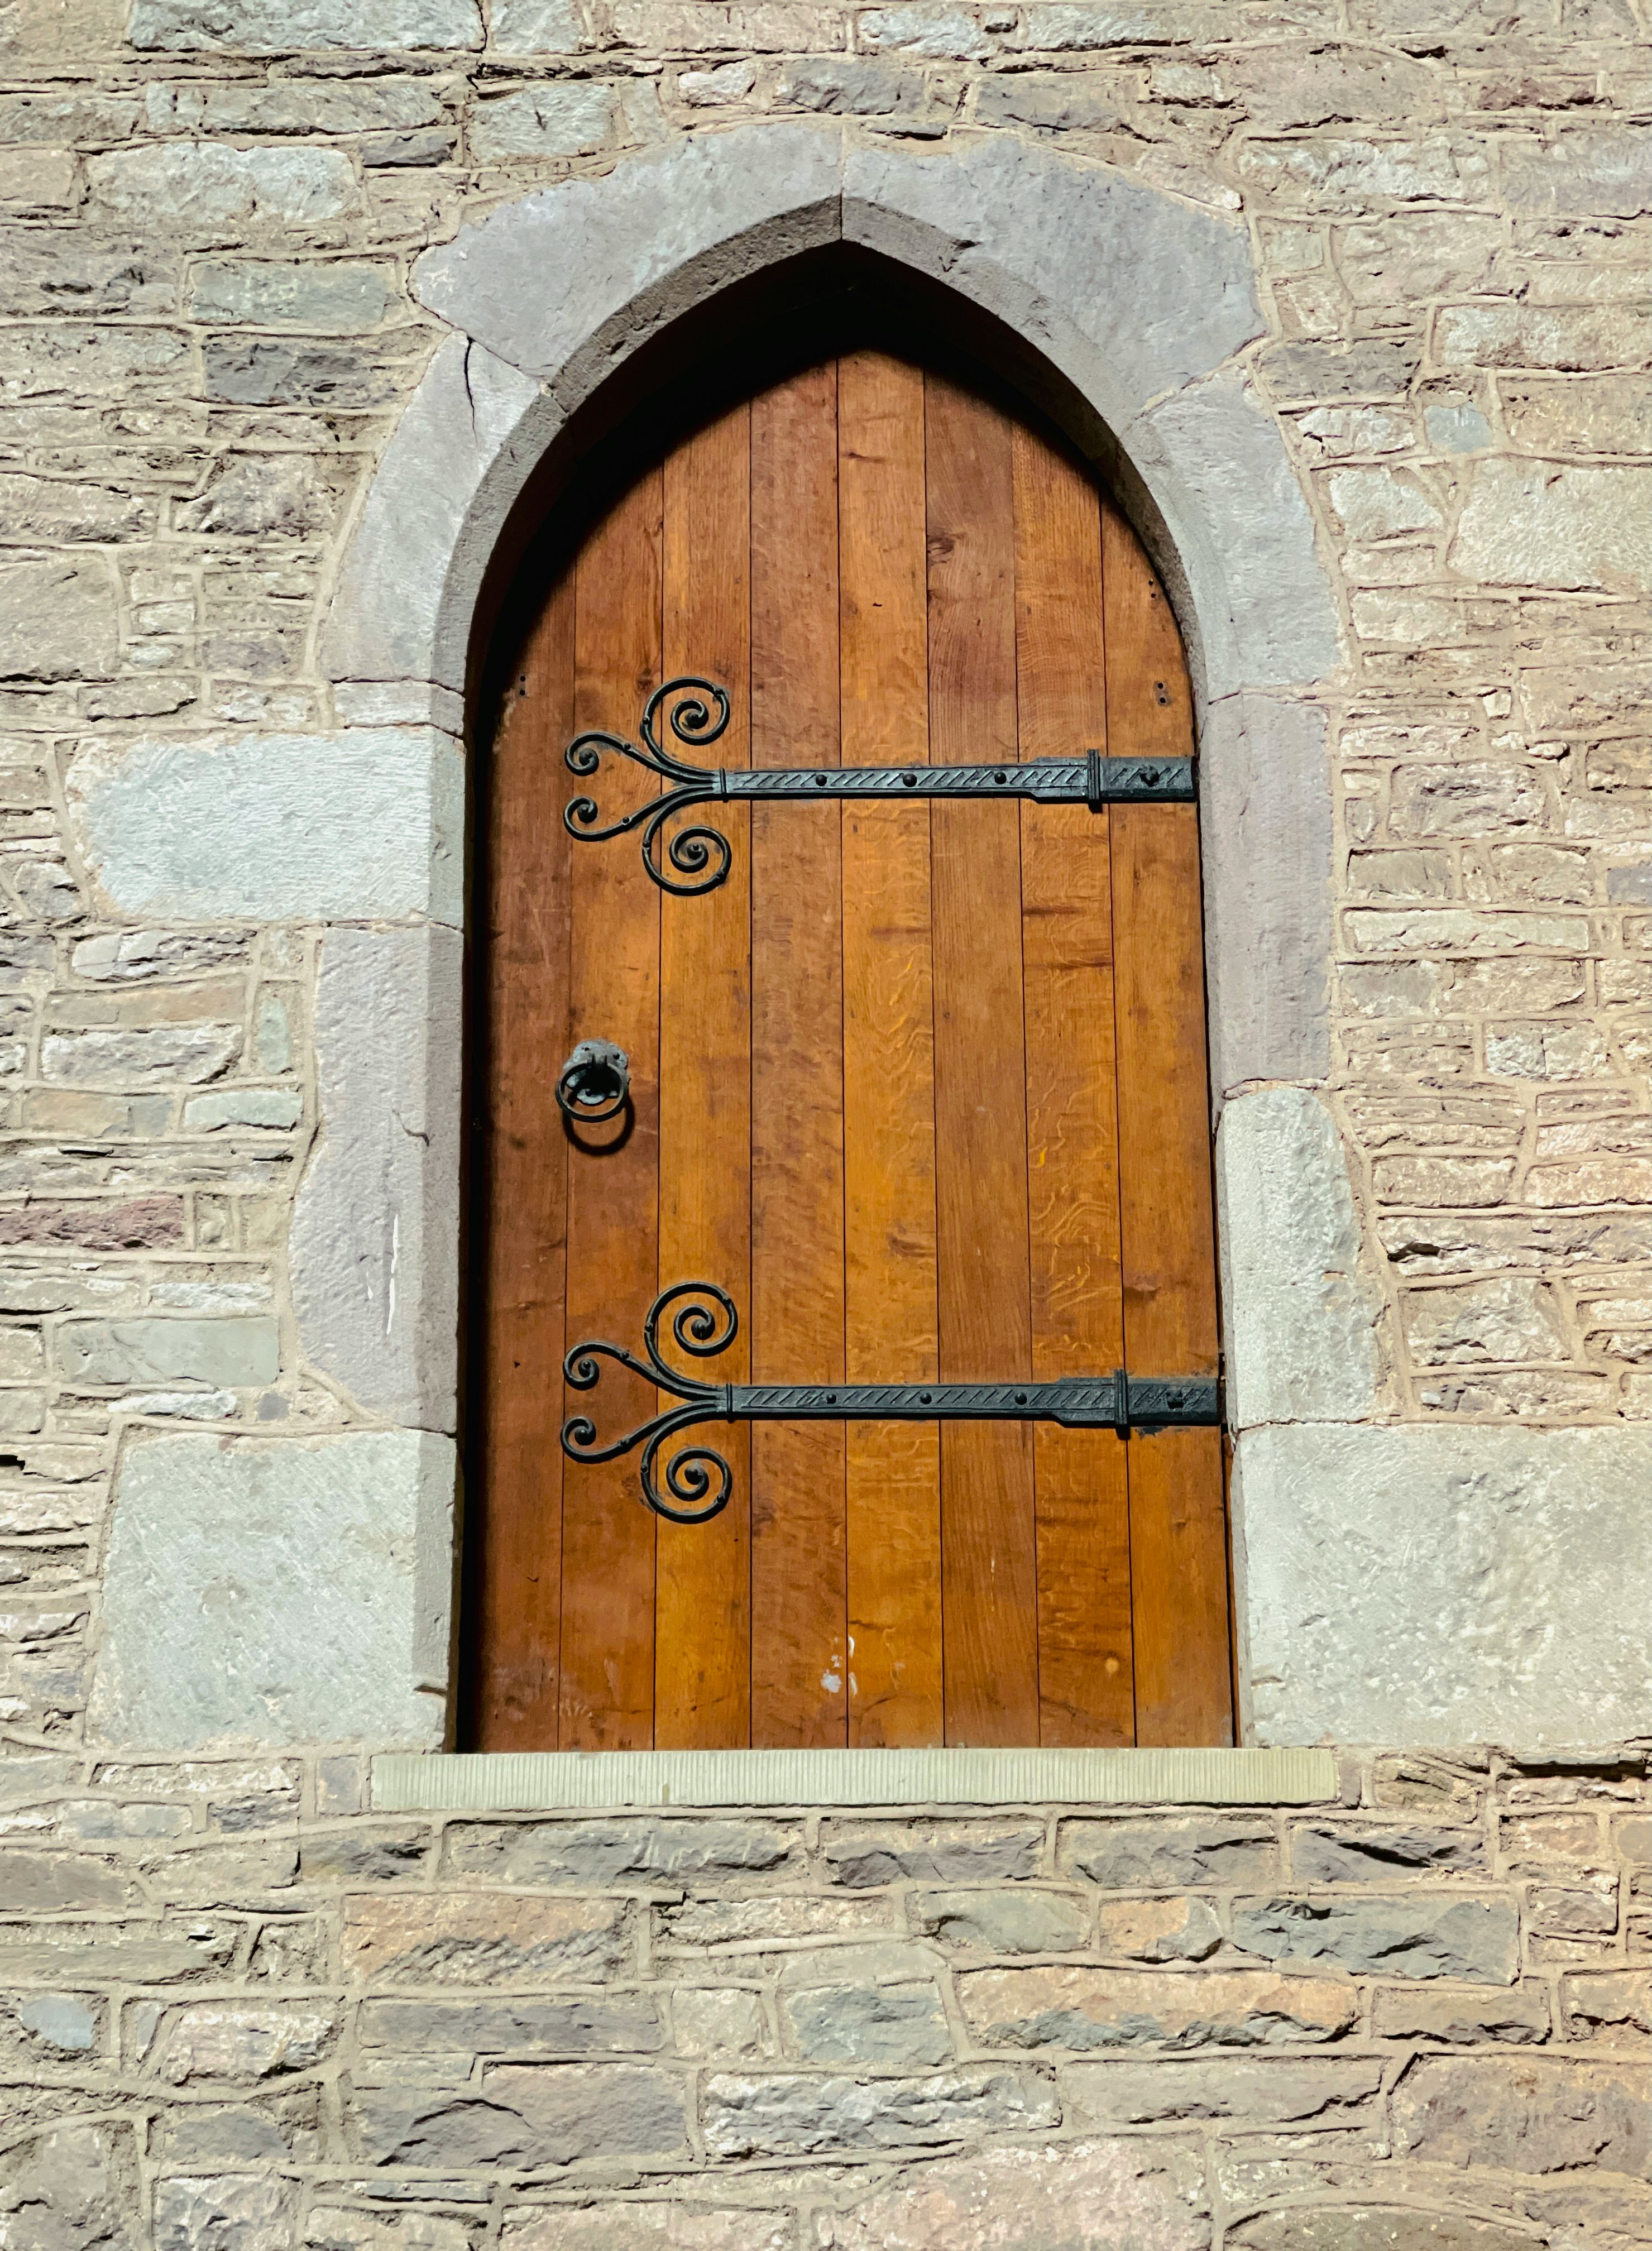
(921,1086)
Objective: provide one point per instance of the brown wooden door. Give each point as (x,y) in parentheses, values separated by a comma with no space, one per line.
(922,1085)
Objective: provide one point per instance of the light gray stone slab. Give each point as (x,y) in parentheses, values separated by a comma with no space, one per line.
(374,1248)
(1214,459)
(1153,291)
(1300,1326)
(366,823)
(1424,1585)
(261,1592)
(276,27)
(1265,839)
(59,617)
(661,232)
(428,525)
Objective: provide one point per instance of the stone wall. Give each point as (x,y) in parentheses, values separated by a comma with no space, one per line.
(209,330)
(253,2017)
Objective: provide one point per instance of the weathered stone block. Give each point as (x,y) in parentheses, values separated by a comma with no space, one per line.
(1376,2228)
(1079,2193)
(1078,2008)
(211,2040)
(493,1939)
(1367,1854)
(1519,2018)
(1613,2006)
(1413,1934)
(59,619)
(644,1851)
(634,2224)
(800,2114)
(273,27)
(878,2026)
(551,119)
(1127,1855)
(613,2024)
(233,1562)
(1536,2115)
(1486,1575)
(206,193)
(1535,524)
(58,1883)
(528,2115)
(1301,1310)
(74,2184)
(374,1244)
(934,1851)
(1159,1929)
(331,300)
(227,1349)
(138,1953)
(721,2024)
(1002,1921)
(349,827)
(1126,2093)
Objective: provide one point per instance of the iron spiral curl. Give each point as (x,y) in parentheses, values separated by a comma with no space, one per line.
(698,1481)
(697,712)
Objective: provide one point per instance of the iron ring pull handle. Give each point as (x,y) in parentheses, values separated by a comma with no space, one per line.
(594,1084)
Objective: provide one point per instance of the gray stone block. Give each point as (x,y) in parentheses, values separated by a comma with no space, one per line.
(527,2115)
(340,299)
(784,2113)
(265,1592)
(374,1246)
(1376,2228)
(1301,1313)
(59,619)
(282,27)
(1167,1855)
(456,461)
(596,1855)
(1491,1579)
(265,827)
(937,1851)
(1401,1933)
(234,1350)
(1018,1922)
(1275,2091)
(586,2025)
(1265,816)
(1525,2115)
(1081,2009)
(1054,2195)
(878,2026)
(1517,2018)
(1372,1855)
(1259,591)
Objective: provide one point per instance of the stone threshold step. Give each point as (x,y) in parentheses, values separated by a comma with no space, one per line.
(526,1781)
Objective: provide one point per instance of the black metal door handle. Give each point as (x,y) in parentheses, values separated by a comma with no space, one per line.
(594,1082)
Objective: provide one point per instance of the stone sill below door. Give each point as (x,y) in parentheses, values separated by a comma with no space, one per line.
(526,1781)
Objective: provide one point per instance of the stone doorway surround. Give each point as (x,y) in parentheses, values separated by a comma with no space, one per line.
(1402,1582)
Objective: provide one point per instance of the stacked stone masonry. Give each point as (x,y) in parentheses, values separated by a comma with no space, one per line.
(237,2011)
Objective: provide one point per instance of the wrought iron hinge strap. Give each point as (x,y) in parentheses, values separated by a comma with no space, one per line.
(701,856)
(705,1323)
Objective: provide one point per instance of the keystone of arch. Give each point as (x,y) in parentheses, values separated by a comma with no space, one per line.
(1141,300)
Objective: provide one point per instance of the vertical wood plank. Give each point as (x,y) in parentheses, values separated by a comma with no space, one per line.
(608,1543)
(518,1618)
(799,1650)
(1086,1676)
(1178,1533)
(988,1530)
(702,1645)
(893,1470)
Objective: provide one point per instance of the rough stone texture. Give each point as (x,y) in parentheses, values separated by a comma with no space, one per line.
(1301,1346)
(375,1232)
(306,827)
(232,1561)
(1485,1581)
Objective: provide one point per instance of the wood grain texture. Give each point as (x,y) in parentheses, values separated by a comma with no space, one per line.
(608,1543)
(800,1625)
(893,1469)
(702,1694)
(519,1390)
(1086,1667)
(1178,1538)
(988,1530)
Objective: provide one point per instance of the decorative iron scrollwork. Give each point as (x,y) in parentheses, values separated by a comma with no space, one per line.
(701,856)
(706,1323)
